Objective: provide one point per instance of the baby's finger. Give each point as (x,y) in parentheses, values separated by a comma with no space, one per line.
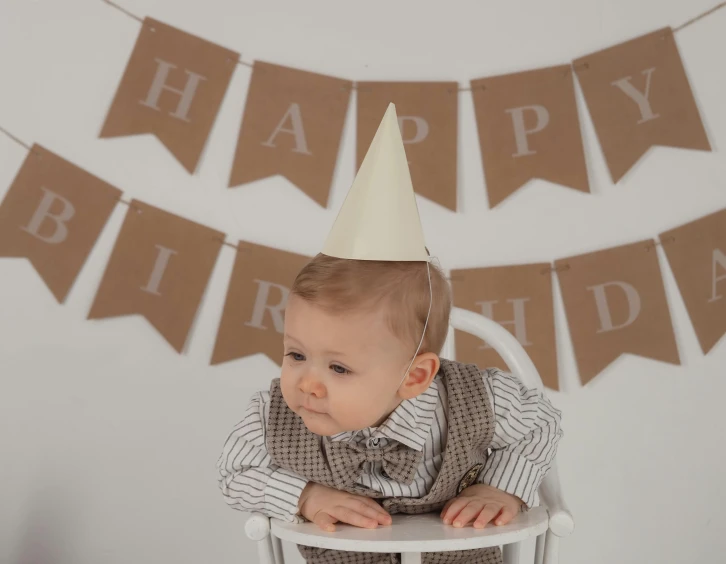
(365,509)
(324,521)
(507,513)
(456,506)
(468,513)
(372,503)
(352,517)
(445,508)
(486,515)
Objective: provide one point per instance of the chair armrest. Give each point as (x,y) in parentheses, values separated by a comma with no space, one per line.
(257,527)
(561,521)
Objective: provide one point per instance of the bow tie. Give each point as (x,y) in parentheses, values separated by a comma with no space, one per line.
(346,461)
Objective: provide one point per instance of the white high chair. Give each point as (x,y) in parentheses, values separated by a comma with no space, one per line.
(411,535)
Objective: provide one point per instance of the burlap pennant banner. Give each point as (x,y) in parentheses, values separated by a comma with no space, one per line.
(520,299)
(292,126)
(615,304)
(52,215)
(254,310)
(159,269)
(529,128)
(697,255)
(427,115)
(173,87)
(638,96)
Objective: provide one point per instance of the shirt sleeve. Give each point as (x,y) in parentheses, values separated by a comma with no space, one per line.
(248,478)
(526,434)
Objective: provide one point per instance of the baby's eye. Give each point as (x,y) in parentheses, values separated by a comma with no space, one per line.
(338,369)
(297,357)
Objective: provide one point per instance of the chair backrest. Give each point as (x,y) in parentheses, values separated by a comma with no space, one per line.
(496,336)
(521,366)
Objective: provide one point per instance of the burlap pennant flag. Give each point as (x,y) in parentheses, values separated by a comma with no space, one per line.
(529,128)
(253,317)
(173,87)
(520,299)
(697,254)
(159,269)
(52,215)
(427,115)
(639,96)
(615,304)
(292,126)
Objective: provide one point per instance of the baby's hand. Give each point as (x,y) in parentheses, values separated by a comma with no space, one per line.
(481,503)
(325,506)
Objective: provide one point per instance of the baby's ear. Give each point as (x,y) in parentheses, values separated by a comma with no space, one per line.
(422,372)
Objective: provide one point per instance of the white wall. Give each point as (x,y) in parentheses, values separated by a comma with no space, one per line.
(108,438)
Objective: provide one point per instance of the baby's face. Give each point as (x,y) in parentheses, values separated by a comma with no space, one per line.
(341,372)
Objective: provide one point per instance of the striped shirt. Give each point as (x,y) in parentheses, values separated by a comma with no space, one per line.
(527,431)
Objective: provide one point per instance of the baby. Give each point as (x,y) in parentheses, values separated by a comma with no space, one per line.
(366,420)
(473,444)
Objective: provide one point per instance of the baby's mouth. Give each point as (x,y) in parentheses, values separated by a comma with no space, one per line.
(311,410)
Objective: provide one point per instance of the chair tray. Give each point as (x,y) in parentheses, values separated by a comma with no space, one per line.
(414,533)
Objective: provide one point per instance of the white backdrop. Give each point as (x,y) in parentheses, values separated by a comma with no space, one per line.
(109,438)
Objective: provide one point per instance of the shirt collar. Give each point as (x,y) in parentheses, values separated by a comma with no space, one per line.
(409,423)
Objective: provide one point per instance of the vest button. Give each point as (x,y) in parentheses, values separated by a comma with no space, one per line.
(374,442)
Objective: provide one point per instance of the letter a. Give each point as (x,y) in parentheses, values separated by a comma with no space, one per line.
(294,115)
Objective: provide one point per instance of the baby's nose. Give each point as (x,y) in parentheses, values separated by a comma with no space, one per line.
(311,385)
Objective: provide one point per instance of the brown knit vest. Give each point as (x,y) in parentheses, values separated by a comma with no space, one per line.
(471,426)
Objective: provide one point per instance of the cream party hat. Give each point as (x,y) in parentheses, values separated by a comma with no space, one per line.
(379,219)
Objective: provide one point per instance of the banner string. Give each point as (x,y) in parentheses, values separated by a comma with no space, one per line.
(663,241)
(700,17)
(124,10)
(648,246)
(564,267)
(465,89)
(119,200)
(129,204)
(139,210)
(561,268)
(235,247)
(18,141)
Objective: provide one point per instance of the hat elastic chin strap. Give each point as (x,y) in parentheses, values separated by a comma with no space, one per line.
(426,324)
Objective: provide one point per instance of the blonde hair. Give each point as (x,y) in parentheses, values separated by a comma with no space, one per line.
(401,287)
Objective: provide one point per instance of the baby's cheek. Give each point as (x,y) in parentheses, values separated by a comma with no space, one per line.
(357,413)
(290,396)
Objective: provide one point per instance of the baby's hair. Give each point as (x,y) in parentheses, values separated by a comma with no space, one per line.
(338,285)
